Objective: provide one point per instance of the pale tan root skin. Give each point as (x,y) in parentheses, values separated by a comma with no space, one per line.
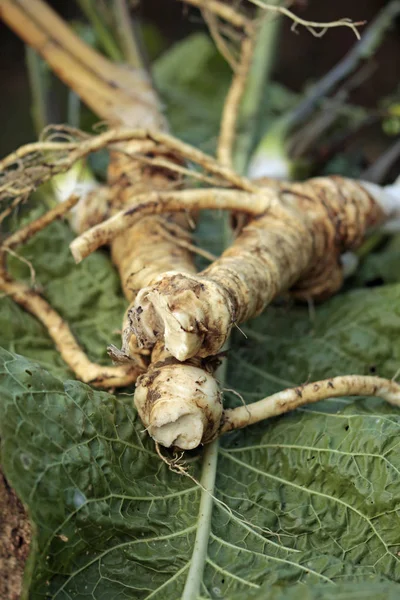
(296,245)
(71,352)
(292,398)
(179,403)
(154,203)
(30,300)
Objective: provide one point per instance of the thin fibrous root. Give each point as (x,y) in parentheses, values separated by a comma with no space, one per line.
(163,202)
(311,26)
(295,245)
(32,301)
(292,398)
(25,233)
(87,371)
(34,164)
(221,43)
(235,18)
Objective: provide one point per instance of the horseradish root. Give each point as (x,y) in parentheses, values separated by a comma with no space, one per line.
(292,398)
(294,241)
(172,420)
(295,245)
(179,403)
(86,370)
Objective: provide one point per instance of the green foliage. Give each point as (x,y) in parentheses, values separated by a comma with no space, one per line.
(310,497)
(193,102)
(306,506)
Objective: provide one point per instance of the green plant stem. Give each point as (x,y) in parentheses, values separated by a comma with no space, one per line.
(196,569)
(38,89)
(263,59)
(103,34)
(74,109)
(127,36)
(377,171)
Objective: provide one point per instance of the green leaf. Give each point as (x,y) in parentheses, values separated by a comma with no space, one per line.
(193,102)
(311,497)
(380,266)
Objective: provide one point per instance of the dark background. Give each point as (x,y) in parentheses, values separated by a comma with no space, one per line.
(301,59)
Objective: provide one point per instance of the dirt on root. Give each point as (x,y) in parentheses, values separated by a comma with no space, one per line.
(15,539)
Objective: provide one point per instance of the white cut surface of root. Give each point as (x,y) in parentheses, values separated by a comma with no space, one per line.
(181,322)
(179,404)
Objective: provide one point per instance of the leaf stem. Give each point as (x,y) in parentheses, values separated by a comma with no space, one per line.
(195,575)
(38,89)
(127,36)
(263,56)
(105,38)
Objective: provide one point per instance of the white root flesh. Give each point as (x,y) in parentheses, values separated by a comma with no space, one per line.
(389,199)
(179,404)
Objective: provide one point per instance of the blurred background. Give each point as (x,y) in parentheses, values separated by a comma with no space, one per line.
(367,122)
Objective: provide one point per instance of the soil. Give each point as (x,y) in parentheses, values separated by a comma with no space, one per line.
(15,539)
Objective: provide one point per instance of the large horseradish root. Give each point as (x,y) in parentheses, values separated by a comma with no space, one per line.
(295,245)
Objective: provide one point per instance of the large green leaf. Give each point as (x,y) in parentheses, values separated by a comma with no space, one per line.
(310,497)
